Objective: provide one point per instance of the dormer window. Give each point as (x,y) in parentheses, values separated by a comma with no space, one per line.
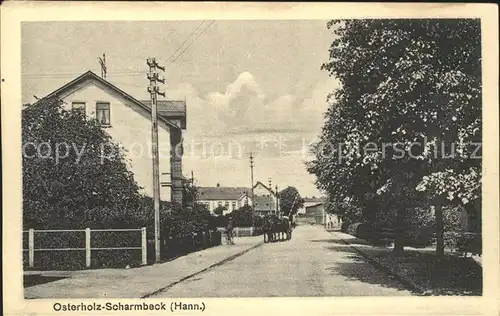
(103,113)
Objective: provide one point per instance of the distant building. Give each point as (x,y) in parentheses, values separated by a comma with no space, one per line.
(265,199)
(310,201)
(316,213)
(232,198)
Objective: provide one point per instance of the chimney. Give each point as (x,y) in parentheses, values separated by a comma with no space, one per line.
(218,185)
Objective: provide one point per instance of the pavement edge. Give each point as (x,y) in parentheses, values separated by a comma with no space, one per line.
(404,279)
(232,257)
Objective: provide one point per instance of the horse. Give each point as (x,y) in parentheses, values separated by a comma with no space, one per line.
(276,229)
(267,229)
(283,229)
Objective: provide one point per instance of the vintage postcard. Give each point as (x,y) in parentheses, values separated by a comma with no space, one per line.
(250,158)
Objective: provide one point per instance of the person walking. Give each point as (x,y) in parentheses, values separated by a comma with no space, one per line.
(229,230)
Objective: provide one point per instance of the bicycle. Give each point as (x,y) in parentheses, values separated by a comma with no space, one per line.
(229,237)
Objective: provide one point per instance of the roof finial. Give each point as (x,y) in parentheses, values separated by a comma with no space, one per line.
(102,62)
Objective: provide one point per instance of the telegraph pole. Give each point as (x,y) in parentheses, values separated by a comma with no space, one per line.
(277,202)
(251,174)
(154,91)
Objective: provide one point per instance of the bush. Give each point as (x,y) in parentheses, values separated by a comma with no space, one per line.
(423,237)
(345,226)
(363,230)
(219,210)
(451,239)
(470,242)
(366,231)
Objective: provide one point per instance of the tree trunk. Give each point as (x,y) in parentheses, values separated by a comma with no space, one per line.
(439,231)
(399,238)
(398,245)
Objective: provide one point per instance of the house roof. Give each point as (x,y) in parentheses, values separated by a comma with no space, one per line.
(91,75)
(314,199)
(222,193)
(174,109)
(313,206)
(228,193)
(265,186)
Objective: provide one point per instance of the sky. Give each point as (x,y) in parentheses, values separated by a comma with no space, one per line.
(250,86)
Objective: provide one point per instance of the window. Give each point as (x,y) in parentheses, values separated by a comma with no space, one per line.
(103,113)
(219,203)
(226,205)
(234,206)
(79,107)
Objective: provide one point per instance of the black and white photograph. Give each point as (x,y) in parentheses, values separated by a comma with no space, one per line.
(242,158)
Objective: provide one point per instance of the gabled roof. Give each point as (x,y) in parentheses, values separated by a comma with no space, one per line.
(92,76)
(222,193)
(267,188)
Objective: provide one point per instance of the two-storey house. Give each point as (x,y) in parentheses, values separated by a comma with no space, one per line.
(128,121)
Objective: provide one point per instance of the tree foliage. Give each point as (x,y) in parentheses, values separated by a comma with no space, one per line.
(219,210)
(290,201)
(73,173)
(407,115)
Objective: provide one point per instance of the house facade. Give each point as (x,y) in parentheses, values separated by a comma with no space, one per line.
(128,121)
(316,213)
(232,198)
(309,201)
(265,199)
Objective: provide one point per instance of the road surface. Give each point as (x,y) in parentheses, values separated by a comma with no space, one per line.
(313,263)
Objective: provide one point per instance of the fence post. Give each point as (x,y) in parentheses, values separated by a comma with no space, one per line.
(31,247)
(144,246)
(87,247)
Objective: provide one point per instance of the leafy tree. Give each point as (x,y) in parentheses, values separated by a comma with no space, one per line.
(414,85)
(73,173)
(219,210)
(290,201)
(244,217)
(190,192)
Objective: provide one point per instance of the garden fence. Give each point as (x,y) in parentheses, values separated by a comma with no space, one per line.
(88,247)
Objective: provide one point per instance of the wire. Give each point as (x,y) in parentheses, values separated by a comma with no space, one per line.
(184,42)
(182,52)
(68,75)
(170,60)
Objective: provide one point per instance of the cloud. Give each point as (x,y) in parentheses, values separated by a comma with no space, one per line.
(279,131)
(243,108)
(244,84)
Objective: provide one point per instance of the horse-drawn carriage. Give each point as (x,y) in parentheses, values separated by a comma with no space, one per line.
(276,229)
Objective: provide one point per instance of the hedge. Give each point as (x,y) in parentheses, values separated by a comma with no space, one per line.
(178,226)
(171,247)
(344,227)
(385,235)
(470,242)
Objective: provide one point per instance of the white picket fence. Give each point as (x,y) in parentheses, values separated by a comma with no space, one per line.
(88,248)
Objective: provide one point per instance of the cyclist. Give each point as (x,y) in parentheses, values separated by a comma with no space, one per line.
(229,230)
